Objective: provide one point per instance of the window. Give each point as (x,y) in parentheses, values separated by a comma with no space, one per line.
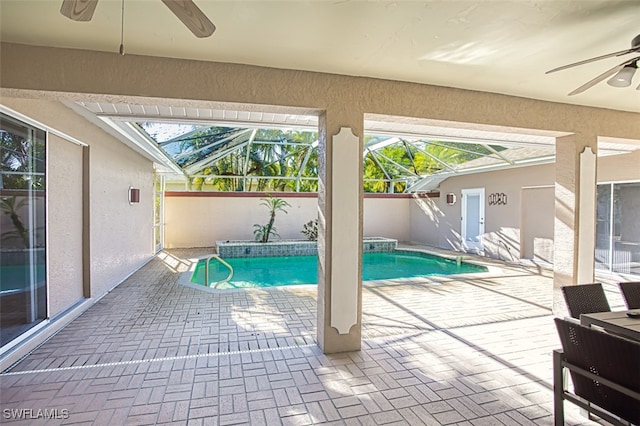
(618,228)
(23,292)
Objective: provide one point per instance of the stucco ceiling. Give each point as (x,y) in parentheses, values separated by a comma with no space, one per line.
(494,46)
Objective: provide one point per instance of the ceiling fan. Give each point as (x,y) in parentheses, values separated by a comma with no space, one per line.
(621,75)
(186,10)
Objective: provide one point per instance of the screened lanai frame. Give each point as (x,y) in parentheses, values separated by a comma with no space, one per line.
(486,148)
(237,158)
(284,158)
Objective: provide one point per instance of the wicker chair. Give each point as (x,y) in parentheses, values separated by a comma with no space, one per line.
(631,292)
(585,299)
(605,372)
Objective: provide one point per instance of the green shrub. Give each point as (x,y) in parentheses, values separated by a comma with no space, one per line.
(310,230)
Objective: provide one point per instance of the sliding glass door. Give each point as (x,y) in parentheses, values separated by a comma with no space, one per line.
(23,290)
(618,228)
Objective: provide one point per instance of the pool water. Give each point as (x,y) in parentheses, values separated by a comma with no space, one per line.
(296,270)
(16,278)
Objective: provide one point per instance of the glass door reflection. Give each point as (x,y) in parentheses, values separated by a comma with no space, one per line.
(23,290)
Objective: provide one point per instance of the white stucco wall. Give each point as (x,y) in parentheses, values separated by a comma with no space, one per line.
(387,217)
(619,168)
(427,220)
(537,206)
(439,224)
(199,220)
(64,182)
(121,235)
(435,223)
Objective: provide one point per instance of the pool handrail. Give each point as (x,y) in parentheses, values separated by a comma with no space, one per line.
(206,271)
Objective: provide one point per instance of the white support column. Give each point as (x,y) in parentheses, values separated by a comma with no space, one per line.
(575,215)
(340,233)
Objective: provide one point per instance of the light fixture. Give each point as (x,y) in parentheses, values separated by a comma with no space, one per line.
(451,198)
(134,195)
(624,76)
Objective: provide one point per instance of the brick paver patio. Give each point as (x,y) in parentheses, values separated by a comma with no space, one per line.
(467,350)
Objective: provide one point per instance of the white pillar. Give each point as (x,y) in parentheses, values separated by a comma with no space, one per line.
(339,234)
(575,215)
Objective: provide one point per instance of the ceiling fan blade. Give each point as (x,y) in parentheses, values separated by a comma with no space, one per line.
(78,10)
(597,58)
(601,77)
(191,16)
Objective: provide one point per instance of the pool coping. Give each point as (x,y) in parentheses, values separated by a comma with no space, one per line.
(185,277)
(229,249)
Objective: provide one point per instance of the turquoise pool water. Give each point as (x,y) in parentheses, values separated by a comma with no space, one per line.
(296,270)
(16,278)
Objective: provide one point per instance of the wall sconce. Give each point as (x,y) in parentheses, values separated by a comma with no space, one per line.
(134,195)
(451,198)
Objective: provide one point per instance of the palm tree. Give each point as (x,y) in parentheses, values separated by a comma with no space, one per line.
(11,207)
(274,204)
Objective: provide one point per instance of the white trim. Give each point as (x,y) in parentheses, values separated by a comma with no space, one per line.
(40,125)
(31,124)
(586,217)
(22,337)
(120,133)
(153,152)
(345,234)
(210,121)
(538,186)
(538,141)
(425,184)
(47,269)
(27,342)
(613,182)
(611,222)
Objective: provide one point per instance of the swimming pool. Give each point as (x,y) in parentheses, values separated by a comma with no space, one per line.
(16,278)
(297,270)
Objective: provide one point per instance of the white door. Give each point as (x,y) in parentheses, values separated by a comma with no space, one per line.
(472,219)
